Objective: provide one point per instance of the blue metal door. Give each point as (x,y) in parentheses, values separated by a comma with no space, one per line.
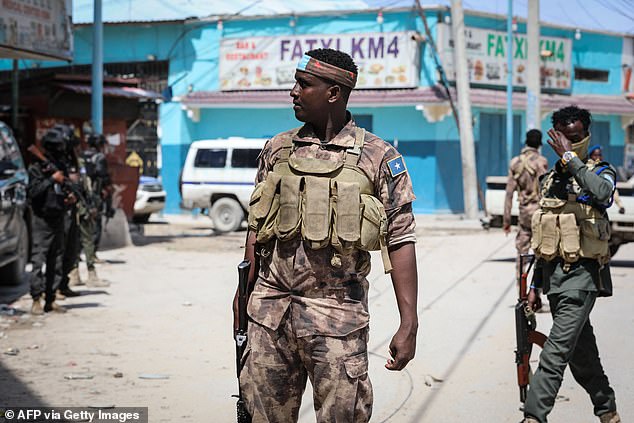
(491,147)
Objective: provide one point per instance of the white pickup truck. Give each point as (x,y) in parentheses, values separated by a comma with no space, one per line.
(622,224)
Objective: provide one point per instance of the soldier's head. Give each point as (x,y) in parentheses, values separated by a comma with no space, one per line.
(595,153)
(534,138)
(96,141)
(574,123)
(68,133)
(54,143)
(324,79)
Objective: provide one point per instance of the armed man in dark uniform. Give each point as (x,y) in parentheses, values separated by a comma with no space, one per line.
(570,239)
(49,202)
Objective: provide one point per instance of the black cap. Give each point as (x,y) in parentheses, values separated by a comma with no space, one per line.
(53,136)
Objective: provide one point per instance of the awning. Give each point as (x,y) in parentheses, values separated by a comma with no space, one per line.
(124,92)
(597,104)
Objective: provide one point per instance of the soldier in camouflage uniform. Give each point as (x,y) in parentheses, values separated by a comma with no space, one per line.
(524,173)
(309,305)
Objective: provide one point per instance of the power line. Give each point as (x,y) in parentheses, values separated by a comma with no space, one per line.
(615,9)
(589,14)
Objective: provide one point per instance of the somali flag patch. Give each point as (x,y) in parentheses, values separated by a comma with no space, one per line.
(397,166)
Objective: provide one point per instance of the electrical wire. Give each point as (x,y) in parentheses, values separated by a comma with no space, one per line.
(589,14)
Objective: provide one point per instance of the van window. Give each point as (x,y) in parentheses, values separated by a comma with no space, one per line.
(245,158)
(210,158)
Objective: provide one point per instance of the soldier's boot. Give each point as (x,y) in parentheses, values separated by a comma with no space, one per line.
(36,308)
(94,281)
(66,292)
(54,307)
(610,417)
(529,420)
(74,279)
(59,296)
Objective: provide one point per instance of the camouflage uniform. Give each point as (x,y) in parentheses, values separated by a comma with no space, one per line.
(524,173)
(308,318)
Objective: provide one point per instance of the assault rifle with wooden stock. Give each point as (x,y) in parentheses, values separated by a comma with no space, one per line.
(525,325)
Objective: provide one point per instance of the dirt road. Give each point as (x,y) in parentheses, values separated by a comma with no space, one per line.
(160,335)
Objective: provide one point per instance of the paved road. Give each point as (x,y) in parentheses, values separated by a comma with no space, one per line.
(168,313)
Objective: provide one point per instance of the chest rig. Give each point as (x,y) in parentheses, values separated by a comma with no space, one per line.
(325,202)
(568,224)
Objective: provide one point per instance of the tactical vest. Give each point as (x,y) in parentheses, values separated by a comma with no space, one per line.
(325,202)
(525,165)
(570,228)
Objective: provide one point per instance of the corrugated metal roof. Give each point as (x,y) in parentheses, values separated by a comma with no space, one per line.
(124,92)
(598,104)
(119,11)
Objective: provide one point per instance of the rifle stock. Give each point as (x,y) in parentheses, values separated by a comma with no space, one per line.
(525,325)
(241,335)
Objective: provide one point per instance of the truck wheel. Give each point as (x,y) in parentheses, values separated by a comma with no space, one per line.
(226,214)
(13,273)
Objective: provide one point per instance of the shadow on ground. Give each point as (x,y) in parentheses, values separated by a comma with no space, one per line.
(13,392)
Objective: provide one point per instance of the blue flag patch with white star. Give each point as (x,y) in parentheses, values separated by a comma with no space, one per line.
(397,166)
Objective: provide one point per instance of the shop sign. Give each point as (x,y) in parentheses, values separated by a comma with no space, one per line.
(487,58)
(37,29)
(385,60)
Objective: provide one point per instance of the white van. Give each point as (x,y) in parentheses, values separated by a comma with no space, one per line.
(218,176)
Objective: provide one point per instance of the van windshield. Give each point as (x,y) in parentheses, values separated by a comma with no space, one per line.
(245,158)
(210,158)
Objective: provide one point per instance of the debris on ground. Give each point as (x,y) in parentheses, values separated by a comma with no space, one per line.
(153,376)
(12,351)
(78,376)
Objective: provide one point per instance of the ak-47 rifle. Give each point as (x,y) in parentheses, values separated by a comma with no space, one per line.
(241,335)
(525,325)
(68,187)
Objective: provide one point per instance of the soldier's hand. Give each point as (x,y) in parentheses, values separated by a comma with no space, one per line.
(58,177)
(558,141)
(506,228)
(402,348)
(622,210)
(534,299)
(70,199)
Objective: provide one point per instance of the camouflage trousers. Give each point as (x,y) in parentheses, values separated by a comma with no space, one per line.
(278,365)
(524,231)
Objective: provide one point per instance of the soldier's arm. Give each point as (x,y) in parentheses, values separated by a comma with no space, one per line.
(511,186)
(601,186)
(38,182)
(405,280)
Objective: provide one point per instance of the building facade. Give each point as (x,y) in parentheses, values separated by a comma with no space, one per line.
(231,77)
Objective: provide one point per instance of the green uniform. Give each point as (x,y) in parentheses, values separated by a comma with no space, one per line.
(573,280)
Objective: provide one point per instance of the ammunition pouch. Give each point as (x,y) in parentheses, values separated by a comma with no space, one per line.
(570,230)
(326,203)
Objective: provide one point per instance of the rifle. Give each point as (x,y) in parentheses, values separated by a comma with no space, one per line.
(68,187)
(525,325)
(241,335)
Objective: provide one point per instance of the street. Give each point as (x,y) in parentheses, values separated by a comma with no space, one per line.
(160,335)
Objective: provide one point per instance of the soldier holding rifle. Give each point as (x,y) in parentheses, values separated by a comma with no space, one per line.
(570,238)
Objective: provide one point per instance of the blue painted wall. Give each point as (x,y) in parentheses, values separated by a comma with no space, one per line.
(432,150)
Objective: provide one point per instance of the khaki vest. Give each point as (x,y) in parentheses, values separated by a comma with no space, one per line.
(327,203)
(569,229)
(525,165)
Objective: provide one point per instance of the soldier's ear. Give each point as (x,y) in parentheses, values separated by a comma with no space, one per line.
(334,93)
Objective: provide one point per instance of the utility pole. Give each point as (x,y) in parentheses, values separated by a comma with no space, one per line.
(97,70)
(509,82)
(533,78)
(15,101)
(467,145)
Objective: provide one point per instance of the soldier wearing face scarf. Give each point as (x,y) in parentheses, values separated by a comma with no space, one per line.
(570,239)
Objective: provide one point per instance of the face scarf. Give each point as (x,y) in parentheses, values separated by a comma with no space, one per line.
(581,147)
(327,71)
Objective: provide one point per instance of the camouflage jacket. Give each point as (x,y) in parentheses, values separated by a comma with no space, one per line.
(322,299)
